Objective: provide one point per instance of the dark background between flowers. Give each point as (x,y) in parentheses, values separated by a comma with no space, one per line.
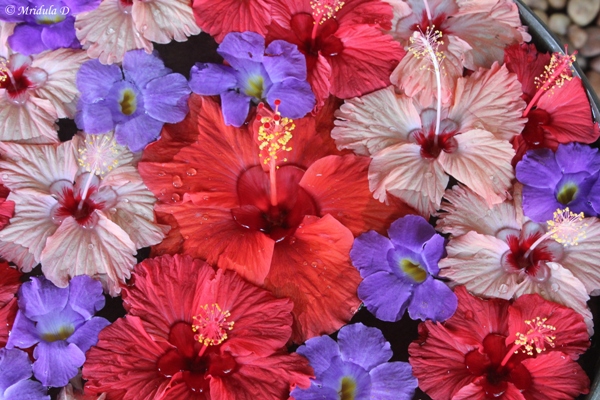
(180,57)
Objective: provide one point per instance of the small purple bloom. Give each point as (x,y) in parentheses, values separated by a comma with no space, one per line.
(567,178)
(135,101)
(255,74)
(61,322)
(355,367)
(15,371)
(400,272)
(43,24)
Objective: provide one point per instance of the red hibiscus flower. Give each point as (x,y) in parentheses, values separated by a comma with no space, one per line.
(10,280)
(346,51)
(492,349)
(196,333)
(558,108)
(286,224)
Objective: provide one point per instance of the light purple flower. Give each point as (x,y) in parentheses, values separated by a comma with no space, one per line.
(135,101)
(15,371)
(43,24)
(567,178)
(61,322)
(355,367)
(400,272)
(255,74)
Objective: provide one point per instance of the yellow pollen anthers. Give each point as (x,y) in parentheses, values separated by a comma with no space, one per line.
(274,132)
(211,326)
(426,45)
(3,69)
(99,154)
(567,228)
(556,73)
(537,337)
(324,10)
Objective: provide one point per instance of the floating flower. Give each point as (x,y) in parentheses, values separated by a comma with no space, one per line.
(399,272)
(193,332)
(558,109)
(35,92)
(81,201)
(118,26)
(495,349)
(565,178)
(15,370)
(60,323)
(44,24)
(497,252)
(470,34)
(135,102)
(355,367)
(280,208)
(10,280)
(255,74)
(415,146)
(347,52)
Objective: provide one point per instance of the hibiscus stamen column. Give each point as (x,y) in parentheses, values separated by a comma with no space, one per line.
(425,45)
(554,76)
(537,337)
(210,326)
(322,11)
(427,10)
(273,135)
(5,73)
(567,228)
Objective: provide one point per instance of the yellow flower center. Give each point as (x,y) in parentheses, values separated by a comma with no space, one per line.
(348,390)
(413,270)
(128,102)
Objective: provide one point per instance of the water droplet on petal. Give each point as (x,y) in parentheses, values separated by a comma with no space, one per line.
(503,288)
(177,181)
(90,246)
(205,217)
(314,264)
(110,30)
(555,287)
(191,172)
(428,175)
(205,198)
(161,173)
(175,197)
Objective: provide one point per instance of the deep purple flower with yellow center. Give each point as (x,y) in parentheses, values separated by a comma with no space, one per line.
(43,24)
(135,101)
(400,272)
(60,322)
(567,178)
(255,74)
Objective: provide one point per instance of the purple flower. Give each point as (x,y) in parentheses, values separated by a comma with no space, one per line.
(567,178)
(15,371)
(400,272)
(355,367)
(61,322)
(255,74)
(43,24)
(135,101)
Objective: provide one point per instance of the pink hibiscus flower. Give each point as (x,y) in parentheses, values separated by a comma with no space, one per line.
(195,333)
(81,201)
(347,52)
(498,252)
(36,91)
(10,281)
(492,349)
(118,26)
(284,220)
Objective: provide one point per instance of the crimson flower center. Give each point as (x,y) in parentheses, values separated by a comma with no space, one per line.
(534,264)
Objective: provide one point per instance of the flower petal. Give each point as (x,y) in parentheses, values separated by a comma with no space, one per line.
(26,390)
(235,107)
(164,20)
(32,121)
(56,362)
(138,132)
(385,295)
(320,350)
(85,296)
(581,260)
(364,346)
(295,95)
(212,79)
(433,300)
(545,379)
(369,253)
(393,381)
(15,367)
(165,98)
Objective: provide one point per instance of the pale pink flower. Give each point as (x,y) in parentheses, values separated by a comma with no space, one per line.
(80,208)
(118,26)
(416,146)
(35,91)
(497,252)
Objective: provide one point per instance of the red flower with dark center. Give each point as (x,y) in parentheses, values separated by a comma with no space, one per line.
(195,333)
(558,108)
(346,51)
(492,349)
(10,281)
(284,220)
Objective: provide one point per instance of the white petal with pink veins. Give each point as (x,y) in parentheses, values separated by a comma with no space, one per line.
(465,211)
(34,120)
(36,167)
(375,121)
(489,100)
(61,67)
(105,251)
(401,168)
(109,31)
(474,261)
(18,255)
(32,224)
(481,162)
(562,288)
(6,29)
(583,260)
(164,20)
